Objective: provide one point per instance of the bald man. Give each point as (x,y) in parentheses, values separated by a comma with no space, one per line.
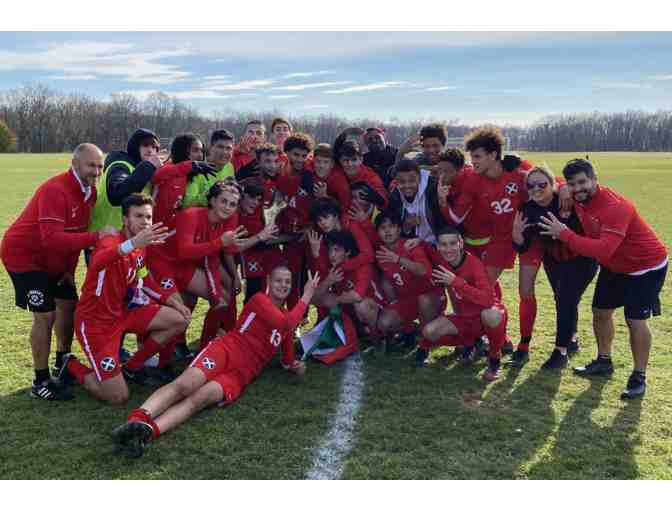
(40,252)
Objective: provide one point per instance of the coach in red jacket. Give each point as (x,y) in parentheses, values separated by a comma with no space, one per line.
(40,252)
(633,265)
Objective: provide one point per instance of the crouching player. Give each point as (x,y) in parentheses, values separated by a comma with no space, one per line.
(228,364)
(407,273)
(476,309)
(115,300)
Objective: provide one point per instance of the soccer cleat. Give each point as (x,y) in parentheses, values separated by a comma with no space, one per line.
(557,361)
(491,374)
(135,376)
(132,437)
(182,353)
(481,347)
(636,387)
(507,348)
(599,366)
(63,376)
(573,347)
(49,390)
(468,354)
(421,357)
(518,358)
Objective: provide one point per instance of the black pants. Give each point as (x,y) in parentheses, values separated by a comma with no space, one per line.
(569,280)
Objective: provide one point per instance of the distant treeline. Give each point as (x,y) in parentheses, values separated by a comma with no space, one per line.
(45,120)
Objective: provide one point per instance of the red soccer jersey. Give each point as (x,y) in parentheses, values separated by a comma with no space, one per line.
(359,279)
(364,257)
(51,230)
(477,224)
(494,201)
(471,292)
(406,283)
(199,243)
(255,261)
(616,235)
(298,199)
(112,286)
(240,159)
(263,327)
(365,174)
(337,186)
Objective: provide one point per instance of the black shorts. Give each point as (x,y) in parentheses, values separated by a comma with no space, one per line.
(37,291)
(640,295)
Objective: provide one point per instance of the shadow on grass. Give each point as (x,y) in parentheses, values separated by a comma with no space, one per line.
(586,450)
(267,434)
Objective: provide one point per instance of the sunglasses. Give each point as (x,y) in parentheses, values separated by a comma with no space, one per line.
(540,185)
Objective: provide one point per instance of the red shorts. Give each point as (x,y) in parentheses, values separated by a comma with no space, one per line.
(101,342)
(168,274)
(468,330)
(499,254)
(408,309)
(222,362)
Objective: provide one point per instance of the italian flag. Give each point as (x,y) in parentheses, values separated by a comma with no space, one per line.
(332,339)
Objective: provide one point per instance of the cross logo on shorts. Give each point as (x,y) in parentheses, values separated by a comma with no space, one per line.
(511,188)
(108,364)
(208,363)
(302,192)
(253,267)
(167,283)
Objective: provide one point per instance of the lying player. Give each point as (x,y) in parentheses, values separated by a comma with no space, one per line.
(408,273)
(229,363)
(115,300)
(476,308)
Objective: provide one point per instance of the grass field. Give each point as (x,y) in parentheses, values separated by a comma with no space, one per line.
(442,422)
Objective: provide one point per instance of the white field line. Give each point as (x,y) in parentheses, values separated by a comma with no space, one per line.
(338,441)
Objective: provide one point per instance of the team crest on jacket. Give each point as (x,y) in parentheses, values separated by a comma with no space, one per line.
(108,364)
(511,188)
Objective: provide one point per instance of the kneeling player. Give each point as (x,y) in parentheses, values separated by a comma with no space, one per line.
(408,274)
(476,308)
(343,286)
(228,364)
(114,301)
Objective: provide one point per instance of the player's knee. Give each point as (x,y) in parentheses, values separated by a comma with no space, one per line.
(116,396)
(601,315)
(46,319)
(183,387)
(386,322)
(430,332)
(491,317)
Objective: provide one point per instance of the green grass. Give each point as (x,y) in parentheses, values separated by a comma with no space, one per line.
(442,422)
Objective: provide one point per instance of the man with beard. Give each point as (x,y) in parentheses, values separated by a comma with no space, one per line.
(381,156)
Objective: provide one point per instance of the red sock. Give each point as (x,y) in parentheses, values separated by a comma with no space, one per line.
(211,324)
(498,290)
(168,349)
(527,312)
(78,370)
(143,416)
(229,321)
(149,348)
(497,336)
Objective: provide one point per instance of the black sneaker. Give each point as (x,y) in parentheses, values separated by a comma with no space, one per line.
(507,348)
(468,354)
(599,366)
(421,357)
(518,358)
(64,377)
(482,347)
(635,388)
(182,353)
(132,437)
(49,390)
(557,361)
(573,347)
(135,376)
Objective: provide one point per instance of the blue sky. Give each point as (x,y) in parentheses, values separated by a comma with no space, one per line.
(473,77)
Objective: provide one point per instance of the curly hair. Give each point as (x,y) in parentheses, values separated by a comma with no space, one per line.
(434,131)
(490,138)
(266,148)
(453,156)
(301,141)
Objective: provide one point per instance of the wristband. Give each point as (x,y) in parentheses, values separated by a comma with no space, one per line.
(127,247)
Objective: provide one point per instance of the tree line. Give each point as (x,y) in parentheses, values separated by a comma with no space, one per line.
(44,120)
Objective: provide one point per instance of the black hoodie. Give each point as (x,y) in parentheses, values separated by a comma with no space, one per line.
(120,181)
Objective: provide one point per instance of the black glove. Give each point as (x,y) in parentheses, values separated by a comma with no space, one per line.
(201,168)
(372,196)
(510,162)
(251,169)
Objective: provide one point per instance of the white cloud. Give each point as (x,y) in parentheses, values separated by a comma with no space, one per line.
(365,88)
(82,77)
(306,86)
(287,96)
(140,94)
(439,89)
(308,74)
(621,85)
(199,94)
(242,85)
(123,60)
(218,77)
(661,77)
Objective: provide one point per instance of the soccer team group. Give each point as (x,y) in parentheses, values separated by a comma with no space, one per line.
(377,235)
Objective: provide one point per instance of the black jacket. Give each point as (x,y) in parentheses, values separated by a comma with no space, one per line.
(120,181)
(382,162)
(432,209)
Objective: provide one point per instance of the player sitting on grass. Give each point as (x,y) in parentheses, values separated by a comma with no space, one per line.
(114,301)
(476,308)
(228,364)
(408,274)
(352,288)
